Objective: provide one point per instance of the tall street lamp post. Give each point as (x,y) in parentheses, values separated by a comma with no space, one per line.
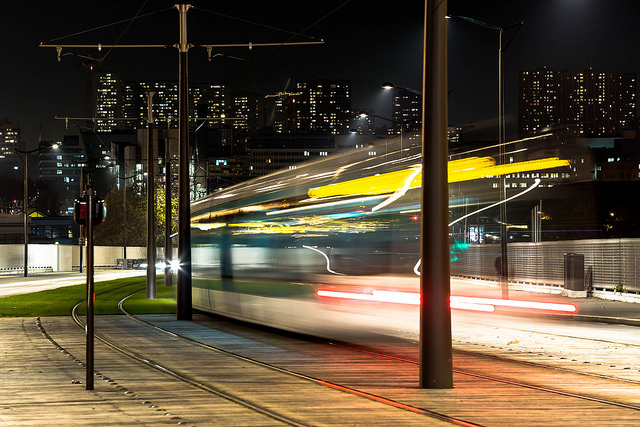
(26,201)
(184,221)
(151,204)
(504,266)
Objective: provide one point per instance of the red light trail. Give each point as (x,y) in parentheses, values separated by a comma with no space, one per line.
(457,302)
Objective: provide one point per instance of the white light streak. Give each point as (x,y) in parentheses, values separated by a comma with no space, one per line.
(325,205)
(325,257)
(535,184)
(400,192)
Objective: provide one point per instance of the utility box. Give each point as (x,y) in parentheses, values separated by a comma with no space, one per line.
(574,275)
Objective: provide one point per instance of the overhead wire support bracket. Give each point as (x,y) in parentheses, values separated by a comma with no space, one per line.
(98,46)
(251,45)
(209,47)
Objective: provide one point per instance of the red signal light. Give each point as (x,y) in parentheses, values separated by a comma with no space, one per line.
(80,212)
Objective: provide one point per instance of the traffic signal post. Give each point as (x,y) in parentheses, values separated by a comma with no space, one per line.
(89,218)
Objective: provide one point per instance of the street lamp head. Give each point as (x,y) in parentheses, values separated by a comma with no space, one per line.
(363,114)
(390,86)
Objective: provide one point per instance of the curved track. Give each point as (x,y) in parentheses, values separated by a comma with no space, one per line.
(220,392)
(599,389)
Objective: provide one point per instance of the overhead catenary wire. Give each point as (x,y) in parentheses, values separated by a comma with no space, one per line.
(307,28)
(125,29)
(257,24)
(89,30)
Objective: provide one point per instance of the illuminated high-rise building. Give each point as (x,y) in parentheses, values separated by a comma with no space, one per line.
(247,110)
(324,106)
(118,104)
(105,100)
(284,111)
(601,103)
(9,137)
(589,102)
(407,111)
(205,101)
(208,101)
(164,105)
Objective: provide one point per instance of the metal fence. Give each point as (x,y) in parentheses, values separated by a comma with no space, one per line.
(608,264)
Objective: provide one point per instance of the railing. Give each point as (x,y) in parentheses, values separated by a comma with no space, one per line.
(608,264)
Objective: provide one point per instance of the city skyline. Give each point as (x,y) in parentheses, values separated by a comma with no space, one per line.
(364,43)
(265,70)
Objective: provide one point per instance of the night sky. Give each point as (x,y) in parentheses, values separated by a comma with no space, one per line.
(367,42)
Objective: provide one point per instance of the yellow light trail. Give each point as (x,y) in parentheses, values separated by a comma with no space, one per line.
(458,170)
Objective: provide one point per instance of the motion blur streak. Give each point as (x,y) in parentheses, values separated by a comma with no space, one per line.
(326,257)
(411,298)
(468,303)
(535,184)
(475,307)
(459,170)
(400,191)
(569,308)
(348,225)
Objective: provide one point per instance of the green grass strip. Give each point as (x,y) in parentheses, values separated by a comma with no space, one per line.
(60,301)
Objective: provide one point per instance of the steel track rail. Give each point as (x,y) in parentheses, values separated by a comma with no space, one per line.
(185,378)
(519,383)
(370,396)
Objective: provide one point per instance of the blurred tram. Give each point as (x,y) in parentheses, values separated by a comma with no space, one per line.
(261,250)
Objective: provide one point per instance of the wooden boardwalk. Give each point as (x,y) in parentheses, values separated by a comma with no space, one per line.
(42,385)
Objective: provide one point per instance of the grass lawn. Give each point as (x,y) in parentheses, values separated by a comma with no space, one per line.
(59,302)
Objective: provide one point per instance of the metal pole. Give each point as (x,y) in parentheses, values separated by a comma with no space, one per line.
(151,223)
(504,266)
(124,211)
(82,229)
(26,214)
(183,304)
(436,367)
(167,210)
(539,223)
(90,293)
